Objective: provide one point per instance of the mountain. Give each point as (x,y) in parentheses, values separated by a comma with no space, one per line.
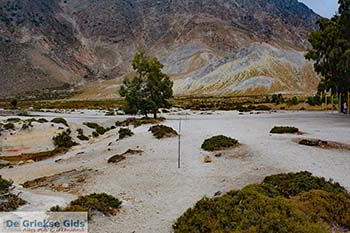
(209,47)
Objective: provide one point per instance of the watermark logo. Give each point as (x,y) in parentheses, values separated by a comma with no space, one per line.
(59,222)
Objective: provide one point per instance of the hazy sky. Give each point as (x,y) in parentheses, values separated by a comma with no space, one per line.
(326,8)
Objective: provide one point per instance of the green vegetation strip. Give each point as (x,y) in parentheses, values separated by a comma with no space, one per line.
(285,203)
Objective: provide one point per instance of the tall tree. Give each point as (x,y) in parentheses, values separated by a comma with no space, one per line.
(150,89)
(331,50)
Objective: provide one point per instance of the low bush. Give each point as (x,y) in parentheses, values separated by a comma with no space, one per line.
(262,208)
(14,120)
(136,122)
(284,129)
(313,142)
(9,126)
(292,184)
(60,120)
(99,129)
(125,132)
(116,159)
(5,185)
(81,135)
(9,202)
(162,131)
(101,202)
(219,143)
(42,120)
(64,140)
(293,101)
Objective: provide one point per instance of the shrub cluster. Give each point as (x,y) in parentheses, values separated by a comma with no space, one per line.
(162,131)
(60,120)
(284,129)
(64,140)
(219,142)
(314,206)
(101,202)
(124,132)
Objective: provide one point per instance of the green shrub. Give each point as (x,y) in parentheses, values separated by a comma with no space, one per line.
(101,202)
(277,99)
(162,131)
(9,202)
(9,126)
(284,129)
(42,120)
(5,185)
(95,134)
(14,120)
(125,132)
(81,135)
(292,184)
(136,122)
(293,101)
(313,142)
(99,129)
(64,140)
(260,208)
(314,100)
(219,143)
(60,120)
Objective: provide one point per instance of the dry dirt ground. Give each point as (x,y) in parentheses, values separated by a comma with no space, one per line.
(153,190)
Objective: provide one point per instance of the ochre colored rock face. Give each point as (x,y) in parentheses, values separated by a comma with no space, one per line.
(207,46)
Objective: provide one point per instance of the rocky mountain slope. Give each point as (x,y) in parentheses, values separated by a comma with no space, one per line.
(209,47)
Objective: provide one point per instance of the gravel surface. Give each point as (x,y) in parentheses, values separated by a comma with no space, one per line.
(155,192)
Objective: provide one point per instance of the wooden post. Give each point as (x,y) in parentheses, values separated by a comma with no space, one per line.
(348,101)
(179,152)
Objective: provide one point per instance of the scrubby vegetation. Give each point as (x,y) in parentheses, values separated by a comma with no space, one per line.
(60,120)
(118,158)
(313,142)
(124,132)
(98,129)
(9,202)
(100,202)
(64,140)
(9,126)
(162,131)
(14,120)
(284,129)
(285,203)
(81,135)
(136,122)
(219,142)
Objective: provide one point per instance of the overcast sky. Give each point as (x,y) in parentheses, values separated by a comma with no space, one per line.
(325,8)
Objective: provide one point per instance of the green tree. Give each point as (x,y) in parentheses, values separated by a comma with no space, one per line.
(14,103)
(150,89)
(331,50)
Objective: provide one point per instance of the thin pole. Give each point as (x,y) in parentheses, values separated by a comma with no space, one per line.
(179,154)
(348,101)
(326,101)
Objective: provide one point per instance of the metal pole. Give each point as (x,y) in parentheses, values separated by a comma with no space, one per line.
(326,101)
(179,154)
